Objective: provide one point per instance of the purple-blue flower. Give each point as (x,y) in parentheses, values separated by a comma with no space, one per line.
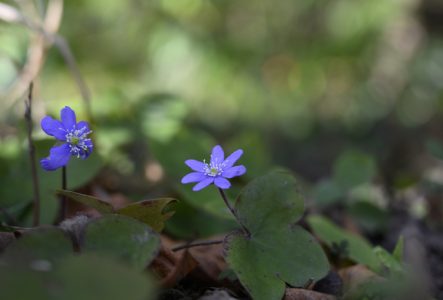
(216,171)
(73,135)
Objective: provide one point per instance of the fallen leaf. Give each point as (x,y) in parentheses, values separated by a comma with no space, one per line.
(356,275)
(303,294)
(170,266)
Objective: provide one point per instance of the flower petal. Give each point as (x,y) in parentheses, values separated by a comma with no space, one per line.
(222,183)
(85,153)
(53,128)
(58,157)
(193,177)
(217,155)
(68,117)
(82,124)
(202,184)
(195,165)
(234,171)
(232,159)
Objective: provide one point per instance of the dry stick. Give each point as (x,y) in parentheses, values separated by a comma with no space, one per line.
(245,230)
(31,148)
(66,52)
(197,244)
(10,14)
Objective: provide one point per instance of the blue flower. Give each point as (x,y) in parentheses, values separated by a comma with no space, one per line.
(73,134)
(216,171)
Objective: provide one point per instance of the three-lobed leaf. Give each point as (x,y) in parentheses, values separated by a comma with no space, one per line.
(277,251)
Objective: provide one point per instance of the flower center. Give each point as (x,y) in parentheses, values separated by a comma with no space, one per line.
(78,141)
(213,169)
(75,140)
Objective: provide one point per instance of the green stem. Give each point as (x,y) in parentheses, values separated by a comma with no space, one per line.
(231,209)
(62,211)
(196,244)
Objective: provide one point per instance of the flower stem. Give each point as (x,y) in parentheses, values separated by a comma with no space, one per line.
(31,149)
(196,244)
(62,211)
(231,209)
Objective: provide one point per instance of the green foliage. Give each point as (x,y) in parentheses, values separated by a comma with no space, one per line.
(14,192)
(353,168)
(123,238)
(435,148)
(189,222)
(87,277)
(369,216)
(358,249)
(327,192)
(153,212)
(398,250)
(47,244)
(277,250)
(94,202)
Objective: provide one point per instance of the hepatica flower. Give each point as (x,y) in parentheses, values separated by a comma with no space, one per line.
(74,138)
(217,171)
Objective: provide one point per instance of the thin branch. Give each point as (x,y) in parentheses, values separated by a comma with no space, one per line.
(245,230)
(31,149)
(197,244)
(69,58)
(9,13)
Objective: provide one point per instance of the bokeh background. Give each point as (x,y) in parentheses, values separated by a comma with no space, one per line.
(348,94)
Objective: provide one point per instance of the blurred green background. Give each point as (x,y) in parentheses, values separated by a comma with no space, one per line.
(346,93)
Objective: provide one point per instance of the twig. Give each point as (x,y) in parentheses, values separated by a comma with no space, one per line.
(10,14)
(31,149)
(245,230)
(69,58)
(197,244)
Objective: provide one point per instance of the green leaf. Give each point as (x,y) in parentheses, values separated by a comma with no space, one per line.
(368,215)
(327,192)
(208,200)
(359,249)
(96,203)
(388,260)
(277,251)
(86,277)
(122,237)
(434,147)
(398,250)
(151,212)
(45,243)
(189,222)
(93,277)
(353,168)
(13,191)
